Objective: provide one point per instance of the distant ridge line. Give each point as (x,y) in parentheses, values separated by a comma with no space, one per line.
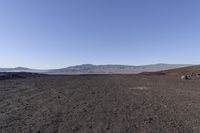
(99,69)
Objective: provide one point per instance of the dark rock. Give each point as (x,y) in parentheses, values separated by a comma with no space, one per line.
(39,131)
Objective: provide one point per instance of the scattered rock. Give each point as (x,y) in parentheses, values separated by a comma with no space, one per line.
(75,129)
(90,126)
(190,76)
(39,131)
(149,120)
(183,77)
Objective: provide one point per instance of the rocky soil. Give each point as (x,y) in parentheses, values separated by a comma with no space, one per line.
(100,104)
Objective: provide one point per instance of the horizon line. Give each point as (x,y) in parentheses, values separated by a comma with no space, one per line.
(36,68)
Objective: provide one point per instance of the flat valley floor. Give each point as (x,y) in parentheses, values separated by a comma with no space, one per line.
(100,104)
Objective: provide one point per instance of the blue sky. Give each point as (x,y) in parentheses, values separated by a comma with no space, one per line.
(60,33)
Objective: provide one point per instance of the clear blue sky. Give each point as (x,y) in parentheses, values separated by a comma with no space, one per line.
(60,33)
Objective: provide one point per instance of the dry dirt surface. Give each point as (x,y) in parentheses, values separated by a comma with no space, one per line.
(100,104)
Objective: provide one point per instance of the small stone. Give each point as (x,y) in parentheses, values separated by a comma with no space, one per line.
(39,131)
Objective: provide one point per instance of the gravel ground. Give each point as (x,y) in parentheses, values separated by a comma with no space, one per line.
(100,104)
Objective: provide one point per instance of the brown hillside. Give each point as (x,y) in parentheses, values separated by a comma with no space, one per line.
(184,70)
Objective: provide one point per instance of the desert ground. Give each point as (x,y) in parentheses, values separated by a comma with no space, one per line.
(142,103)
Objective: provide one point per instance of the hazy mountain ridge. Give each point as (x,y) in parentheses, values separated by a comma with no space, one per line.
(99,69)
(22,69)
(114,69)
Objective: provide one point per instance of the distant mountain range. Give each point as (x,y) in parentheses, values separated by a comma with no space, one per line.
(99,69)
(22,69)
